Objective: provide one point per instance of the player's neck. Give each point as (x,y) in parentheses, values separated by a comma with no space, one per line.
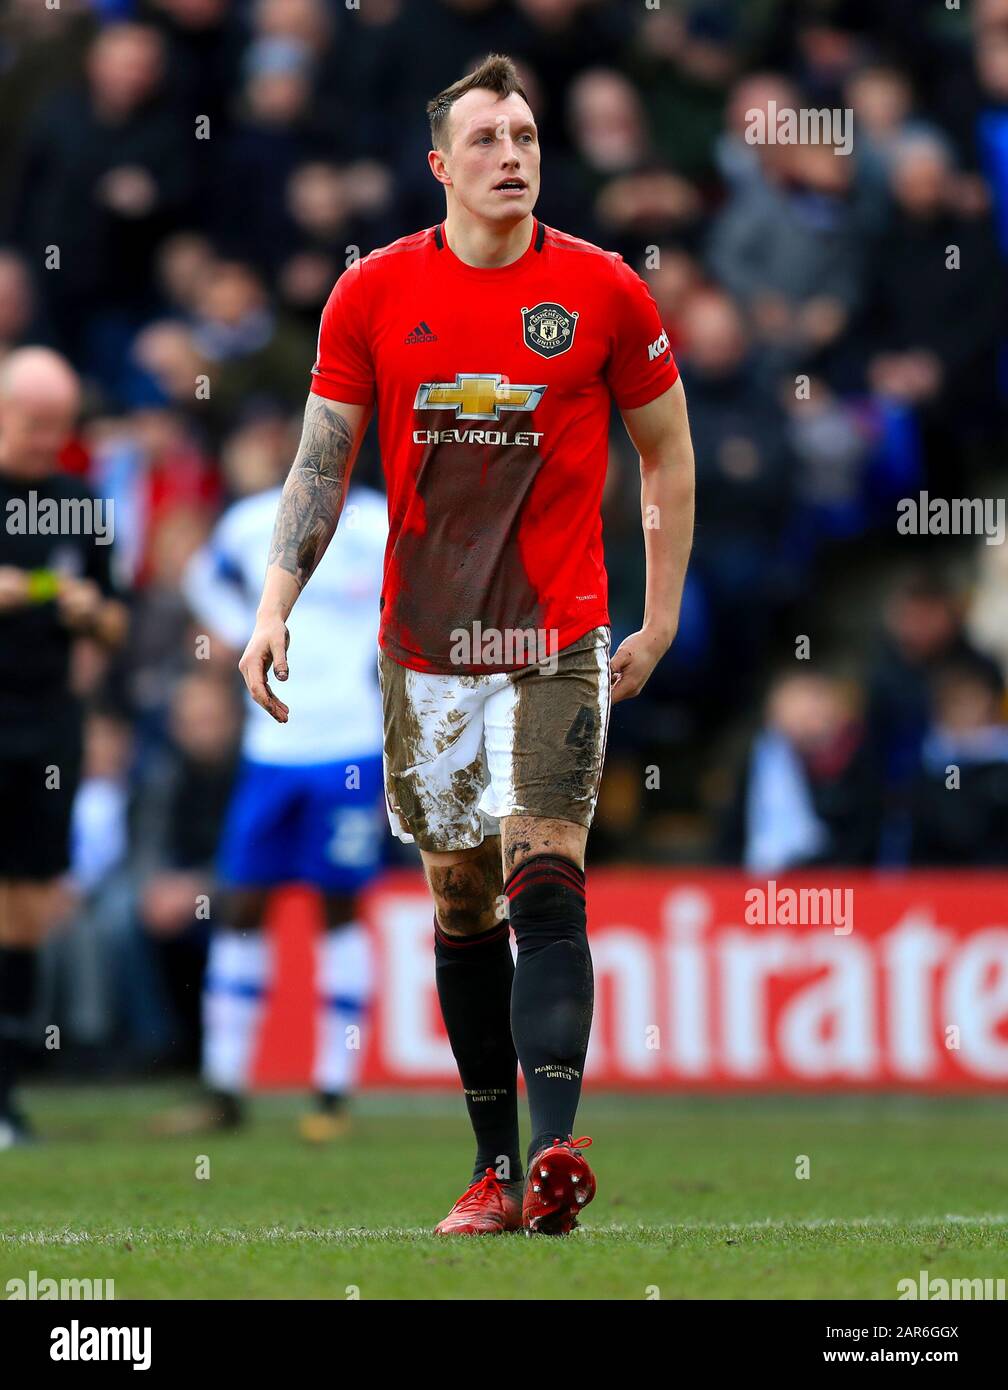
(483,246)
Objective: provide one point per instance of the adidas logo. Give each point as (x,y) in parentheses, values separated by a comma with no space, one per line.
(423,333)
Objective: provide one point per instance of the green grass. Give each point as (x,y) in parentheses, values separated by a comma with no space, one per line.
(697,1198)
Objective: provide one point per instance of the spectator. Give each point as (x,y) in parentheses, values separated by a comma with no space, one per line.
(17,303)
(740,162)
(882,100)
(39,58)
(258,453)
(252,354)
(937,324)
(745,479)
(809,794)
(922,632)
(684,64)
(634,197)
(106,172)
(960,801)
(273,132)
(152,465)
(791,251)
(833,442)
(331,209)
(185,267)
(200,51)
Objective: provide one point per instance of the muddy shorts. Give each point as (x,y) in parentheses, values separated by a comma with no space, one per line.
(461,752)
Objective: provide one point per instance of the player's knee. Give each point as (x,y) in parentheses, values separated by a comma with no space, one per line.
(464,916)
(467,891)
(464,900)
(546,899)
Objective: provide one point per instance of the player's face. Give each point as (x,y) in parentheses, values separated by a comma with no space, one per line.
(493,158)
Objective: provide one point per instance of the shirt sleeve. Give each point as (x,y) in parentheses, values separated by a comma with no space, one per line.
(641,366)
(343,369)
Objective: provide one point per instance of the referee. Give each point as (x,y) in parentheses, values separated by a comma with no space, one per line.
(54,590)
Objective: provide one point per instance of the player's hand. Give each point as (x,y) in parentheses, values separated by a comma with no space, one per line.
(634,660)
(267,647)
(79,602)
(13,588)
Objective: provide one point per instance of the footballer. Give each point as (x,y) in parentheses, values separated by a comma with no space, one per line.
(305,809)
(491,347)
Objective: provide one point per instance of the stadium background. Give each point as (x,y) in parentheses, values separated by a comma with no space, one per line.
(182,256)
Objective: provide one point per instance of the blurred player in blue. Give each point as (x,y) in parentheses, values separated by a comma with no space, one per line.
(308,805)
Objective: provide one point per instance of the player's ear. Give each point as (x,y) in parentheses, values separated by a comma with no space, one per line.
(437,165)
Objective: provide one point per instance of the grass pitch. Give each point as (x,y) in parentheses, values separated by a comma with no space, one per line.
(698,1198)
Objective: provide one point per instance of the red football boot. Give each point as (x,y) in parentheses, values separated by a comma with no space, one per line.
(488,1207)
(558,1185)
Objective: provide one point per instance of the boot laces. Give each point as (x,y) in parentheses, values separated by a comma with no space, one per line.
(489,1185)
(571,1143)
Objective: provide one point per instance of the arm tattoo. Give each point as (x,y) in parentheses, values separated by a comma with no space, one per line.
(313,494)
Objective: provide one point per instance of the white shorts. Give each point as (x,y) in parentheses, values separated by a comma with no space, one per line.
(461,752)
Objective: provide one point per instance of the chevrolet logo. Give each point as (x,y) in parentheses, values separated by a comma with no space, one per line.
(477,397)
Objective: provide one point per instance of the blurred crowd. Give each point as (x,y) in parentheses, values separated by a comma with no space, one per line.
(182,181)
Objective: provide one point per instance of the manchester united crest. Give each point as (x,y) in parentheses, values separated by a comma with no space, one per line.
(549,329)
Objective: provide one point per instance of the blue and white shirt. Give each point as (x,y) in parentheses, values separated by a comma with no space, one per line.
(332,690)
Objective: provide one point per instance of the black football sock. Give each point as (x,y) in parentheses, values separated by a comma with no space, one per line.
(18,969)
(474,975)
(554,989)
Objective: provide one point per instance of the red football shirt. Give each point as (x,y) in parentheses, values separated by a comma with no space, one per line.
(493,392)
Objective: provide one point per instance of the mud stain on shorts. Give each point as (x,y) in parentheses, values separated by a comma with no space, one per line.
(403,730)
(557,746)
(411,743)
(559,734)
